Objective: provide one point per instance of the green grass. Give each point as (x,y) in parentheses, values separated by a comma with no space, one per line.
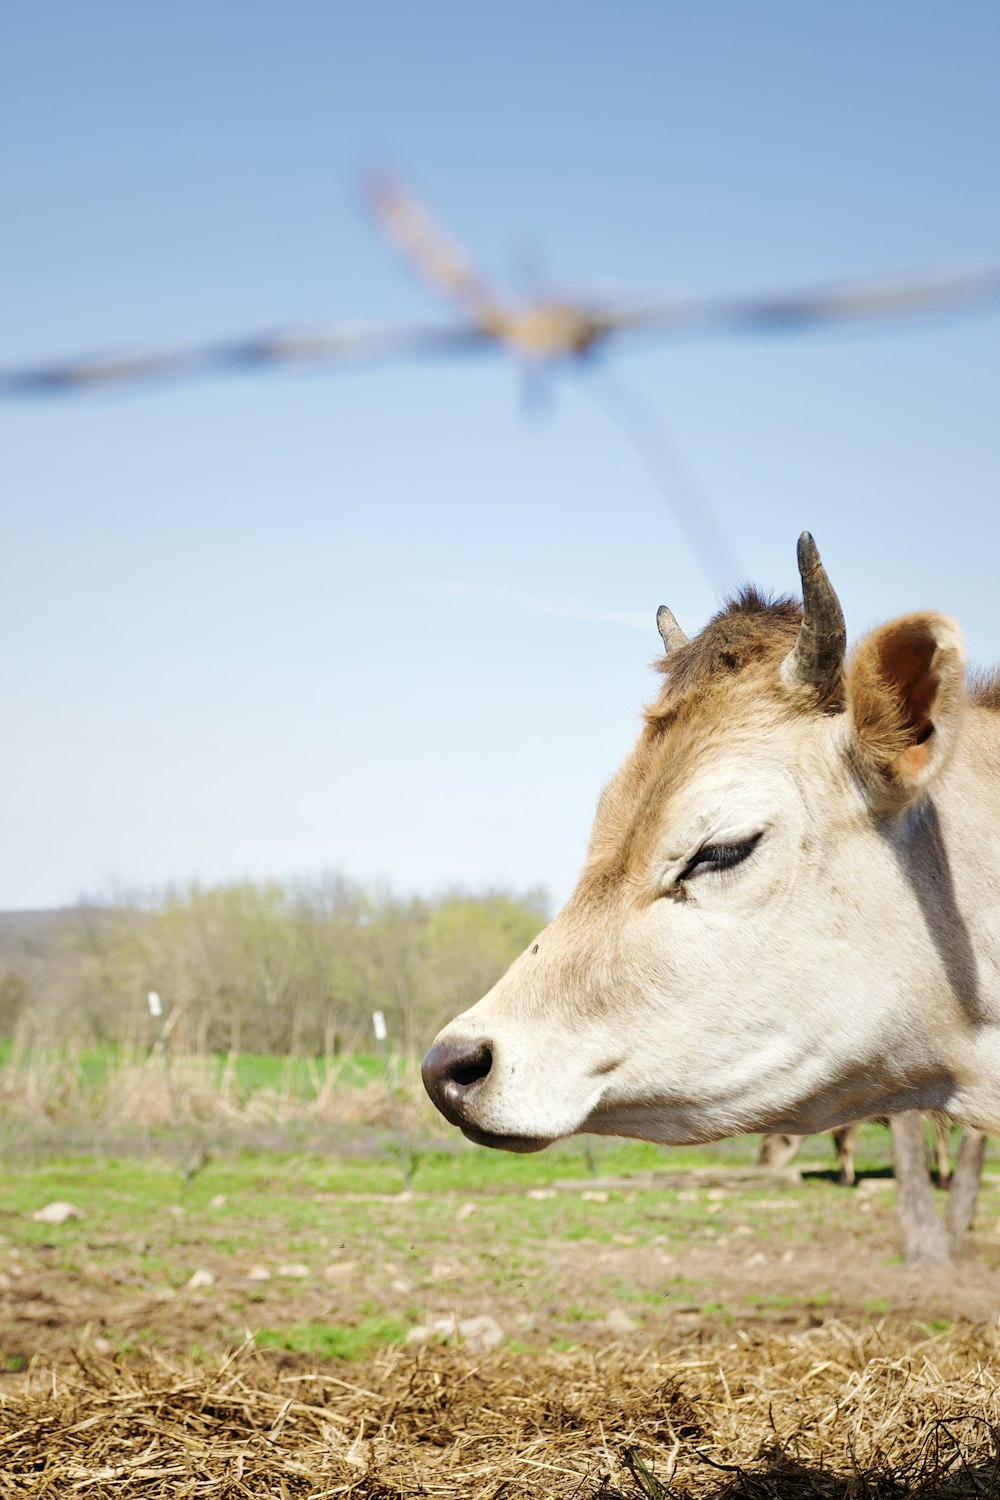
(88,1069)
(937,1325)
(303,1076)
(323,1341)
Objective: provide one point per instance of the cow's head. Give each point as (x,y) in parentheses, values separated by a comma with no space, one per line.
(745,948)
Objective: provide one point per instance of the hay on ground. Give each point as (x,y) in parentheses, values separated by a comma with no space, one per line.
(833,1414)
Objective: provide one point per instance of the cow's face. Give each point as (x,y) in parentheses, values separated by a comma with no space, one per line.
(741,950)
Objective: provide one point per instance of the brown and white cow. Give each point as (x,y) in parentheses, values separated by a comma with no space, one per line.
(788,915)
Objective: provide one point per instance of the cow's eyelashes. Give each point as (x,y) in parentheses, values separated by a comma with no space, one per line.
(713,858)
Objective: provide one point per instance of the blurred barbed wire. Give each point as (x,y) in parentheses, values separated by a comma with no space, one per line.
(543,332)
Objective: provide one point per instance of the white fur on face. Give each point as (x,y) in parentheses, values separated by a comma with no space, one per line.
(799,990)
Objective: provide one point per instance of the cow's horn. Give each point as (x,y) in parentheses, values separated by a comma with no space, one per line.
(670,632)
(817,658)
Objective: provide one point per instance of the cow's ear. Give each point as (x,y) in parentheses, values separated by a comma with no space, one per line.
(905,688)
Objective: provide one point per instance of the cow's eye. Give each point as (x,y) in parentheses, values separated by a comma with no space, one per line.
(711,858)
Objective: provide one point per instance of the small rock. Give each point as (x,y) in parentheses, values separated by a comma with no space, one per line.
(594,1195)
(619,1322)
(101,1345)
(398,1284)
(466,1210)
(294,1268)
(441,1328)
(258,1273)
(219,1201)
(758,1258)
(540,1194)
(56,1213)
(200,1279)
(480,1334)
(339,1270)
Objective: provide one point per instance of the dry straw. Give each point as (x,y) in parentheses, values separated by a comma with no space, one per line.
(832,1413)
(47,1083)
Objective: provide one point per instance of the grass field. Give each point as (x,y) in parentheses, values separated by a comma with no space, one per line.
(89,1071)
(619,1283)
(328,1257)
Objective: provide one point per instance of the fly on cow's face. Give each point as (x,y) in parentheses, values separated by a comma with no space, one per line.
(712,859)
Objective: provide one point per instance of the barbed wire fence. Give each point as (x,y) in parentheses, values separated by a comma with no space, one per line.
(545,336)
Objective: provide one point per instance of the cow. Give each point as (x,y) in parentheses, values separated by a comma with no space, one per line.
(778,1151)
(787,914)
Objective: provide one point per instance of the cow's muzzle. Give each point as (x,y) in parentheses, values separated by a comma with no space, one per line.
(453,1075)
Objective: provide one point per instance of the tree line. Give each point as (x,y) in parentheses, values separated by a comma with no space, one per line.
(260,967)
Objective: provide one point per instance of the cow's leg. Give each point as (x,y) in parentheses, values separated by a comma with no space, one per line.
(941,1129)
(964,1189)
(924,1240)
(778,1150)
(844,1139)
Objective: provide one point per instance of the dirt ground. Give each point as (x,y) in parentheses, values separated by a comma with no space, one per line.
(580,1266)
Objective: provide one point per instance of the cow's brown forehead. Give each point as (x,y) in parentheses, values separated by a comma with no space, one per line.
(668,753)
(751,630)
(723,685)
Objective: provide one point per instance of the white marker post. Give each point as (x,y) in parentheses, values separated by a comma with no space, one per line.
(381,1037)
(161,1048)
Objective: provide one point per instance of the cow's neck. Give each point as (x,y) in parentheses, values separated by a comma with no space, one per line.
(950,851)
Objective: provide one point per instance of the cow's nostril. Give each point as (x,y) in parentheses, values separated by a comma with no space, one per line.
(471,1072)
(449,1072)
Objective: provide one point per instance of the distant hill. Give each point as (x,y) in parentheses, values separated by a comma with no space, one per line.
(35,934)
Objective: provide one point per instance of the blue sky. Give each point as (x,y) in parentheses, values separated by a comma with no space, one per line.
(383,620)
